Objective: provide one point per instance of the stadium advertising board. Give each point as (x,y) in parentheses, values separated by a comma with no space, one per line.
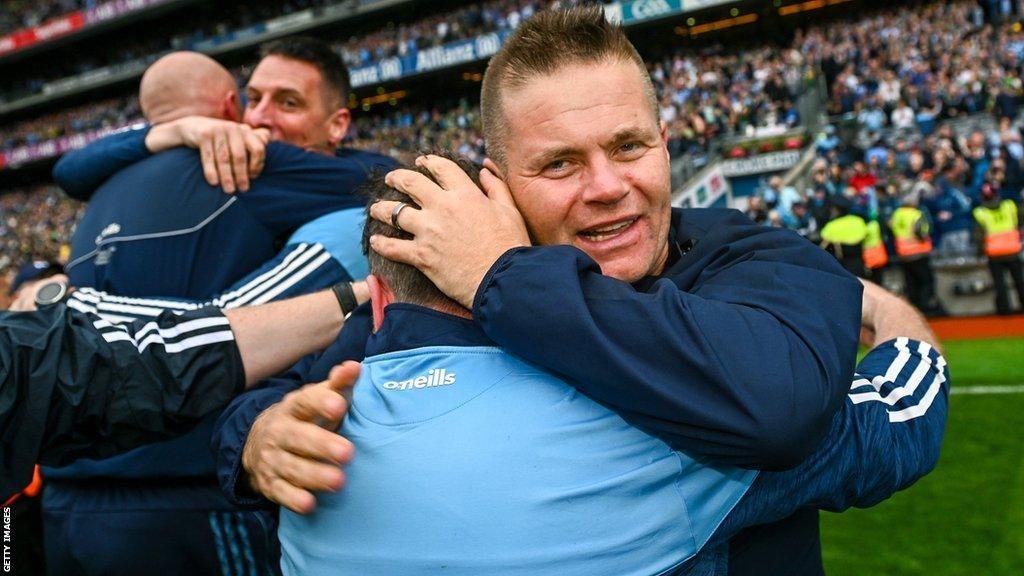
(634,11)
(711,189)
(450,54)
(71,22)
(762,163)
(640,10)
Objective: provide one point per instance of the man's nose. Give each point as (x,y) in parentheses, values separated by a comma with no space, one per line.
(261,115)
(607,185)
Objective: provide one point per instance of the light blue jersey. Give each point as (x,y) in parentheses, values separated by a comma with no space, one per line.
(470,461)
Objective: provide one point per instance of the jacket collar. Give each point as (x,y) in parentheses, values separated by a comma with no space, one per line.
(407,326)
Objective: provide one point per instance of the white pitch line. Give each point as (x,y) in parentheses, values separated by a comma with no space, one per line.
(1014,389)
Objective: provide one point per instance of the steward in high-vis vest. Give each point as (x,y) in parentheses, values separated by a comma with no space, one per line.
(911,231)
(999,224)
(875,255)
(844,236)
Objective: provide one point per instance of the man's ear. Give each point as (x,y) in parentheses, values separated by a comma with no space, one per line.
(494,168)
(380,297)
(231,106)
(338,125)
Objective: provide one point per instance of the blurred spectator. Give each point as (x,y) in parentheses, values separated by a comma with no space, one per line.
(756,210)
(844,236)
(800,220)
(999,224)
(911,231)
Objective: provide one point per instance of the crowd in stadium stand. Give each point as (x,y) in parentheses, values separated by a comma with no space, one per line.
(18,14)
(734,92)
(944,170)
(35,223)
(359,50)
(899,79)
(943,176)
(406,132)
(466,22)
(108,113)
(913,67)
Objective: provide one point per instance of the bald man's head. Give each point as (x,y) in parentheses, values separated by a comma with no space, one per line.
(188,84)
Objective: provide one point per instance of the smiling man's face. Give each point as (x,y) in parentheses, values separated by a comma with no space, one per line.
(588,165)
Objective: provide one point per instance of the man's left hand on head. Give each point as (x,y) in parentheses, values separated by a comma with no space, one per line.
(459,232)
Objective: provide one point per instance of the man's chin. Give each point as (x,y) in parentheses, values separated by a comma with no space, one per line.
(627,270)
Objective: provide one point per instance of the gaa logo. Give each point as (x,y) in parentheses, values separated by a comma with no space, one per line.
(643,9)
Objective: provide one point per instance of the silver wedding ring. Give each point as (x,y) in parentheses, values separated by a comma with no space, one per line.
(394,215)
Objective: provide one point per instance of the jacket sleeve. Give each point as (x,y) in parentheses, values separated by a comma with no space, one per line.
(886,436)
(74,385)
(80,172)
(297,186)
(231,430)
(299,268)
(742,357)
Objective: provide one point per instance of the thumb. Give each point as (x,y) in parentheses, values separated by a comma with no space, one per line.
(343,376)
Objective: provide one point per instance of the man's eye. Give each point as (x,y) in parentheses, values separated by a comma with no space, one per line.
(556,165)
(630,148)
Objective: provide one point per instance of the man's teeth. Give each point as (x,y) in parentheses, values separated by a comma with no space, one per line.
(607,232)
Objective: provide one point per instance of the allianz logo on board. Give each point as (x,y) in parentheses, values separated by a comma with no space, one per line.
(435,377)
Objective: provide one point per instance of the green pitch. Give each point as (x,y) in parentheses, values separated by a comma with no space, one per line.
(966,517)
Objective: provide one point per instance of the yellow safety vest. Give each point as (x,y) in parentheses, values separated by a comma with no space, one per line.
(904,219)
(875,255)
(1002,238)
(848,229)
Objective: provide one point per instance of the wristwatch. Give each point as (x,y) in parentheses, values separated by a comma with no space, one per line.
(51,293)
(346,298)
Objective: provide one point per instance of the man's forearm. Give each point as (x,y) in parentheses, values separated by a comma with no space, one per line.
(889,316)
(274,336)
(164,137)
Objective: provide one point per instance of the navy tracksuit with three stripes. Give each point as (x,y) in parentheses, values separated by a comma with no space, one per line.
(156,228)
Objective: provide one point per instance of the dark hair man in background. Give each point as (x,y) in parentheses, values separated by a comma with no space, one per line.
(160,226)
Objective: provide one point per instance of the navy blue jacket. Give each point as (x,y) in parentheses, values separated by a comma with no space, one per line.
(155,227)
(741,351)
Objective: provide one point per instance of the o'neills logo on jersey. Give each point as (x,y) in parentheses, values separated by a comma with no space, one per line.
(436,377)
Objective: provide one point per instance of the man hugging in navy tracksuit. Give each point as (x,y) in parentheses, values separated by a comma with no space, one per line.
(471,460)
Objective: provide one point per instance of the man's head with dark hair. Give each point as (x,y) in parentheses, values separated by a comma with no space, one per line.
(405,282)
(298,92)
(318,53)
